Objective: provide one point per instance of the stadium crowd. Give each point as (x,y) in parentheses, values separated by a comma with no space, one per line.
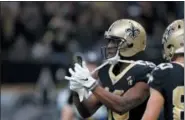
(55,31)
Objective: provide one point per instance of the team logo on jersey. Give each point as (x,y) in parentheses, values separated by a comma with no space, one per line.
(130,80)
(133,32)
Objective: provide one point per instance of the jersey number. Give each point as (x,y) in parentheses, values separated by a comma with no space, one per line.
(117,116)
(146,63)
(178,103)
(164,66)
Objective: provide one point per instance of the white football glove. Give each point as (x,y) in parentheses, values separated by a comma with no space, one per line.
(79,89)
(83,76)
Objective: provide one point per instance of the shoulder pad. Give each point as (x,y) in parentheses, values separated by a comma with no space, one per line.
(162,70)
(142,71)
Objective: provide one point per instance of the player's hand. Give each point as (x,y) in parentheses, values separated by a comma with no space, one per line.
(83,76)
(79,89)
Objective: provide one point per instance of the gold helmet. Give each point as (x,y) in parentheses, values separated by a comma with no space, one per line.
(130,34)
(173,38)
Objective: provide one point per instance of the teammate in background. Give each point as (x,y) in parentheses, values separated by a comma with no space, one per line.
(167,79)
(123,89)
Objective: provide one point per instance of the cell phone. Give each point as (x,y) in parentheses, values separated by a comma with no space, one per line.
(78,60)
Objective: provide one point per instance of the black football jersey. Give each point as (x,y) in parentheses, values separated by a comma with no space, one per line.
(168,79)
(118,82)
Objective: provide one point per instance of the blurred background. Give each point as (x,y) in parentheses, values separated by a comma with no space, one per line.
(40,39)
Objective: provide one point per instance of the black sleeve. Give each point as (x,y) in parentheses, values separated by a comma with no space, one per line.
(142,72)
(158,79)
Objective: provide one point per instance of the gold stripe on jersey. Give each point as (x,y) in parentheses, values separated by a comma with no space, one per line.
(115,78)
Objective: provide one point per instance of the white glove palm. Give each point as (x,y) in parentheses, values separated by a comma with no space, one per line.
(76,87)
(82,76)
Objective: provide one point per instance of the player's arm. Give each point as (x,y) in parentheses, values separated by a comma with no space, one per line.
(129,100)
(90,105)
(87,107)
(154,105)
(133,97)
(157,83)
(121,104)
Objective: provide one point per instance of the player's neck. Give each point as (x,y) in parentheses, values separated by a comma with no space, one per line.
(179,60)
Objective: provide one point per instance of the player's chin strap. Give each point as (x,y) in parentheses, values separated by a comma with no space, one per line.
(112,61)
(171,54)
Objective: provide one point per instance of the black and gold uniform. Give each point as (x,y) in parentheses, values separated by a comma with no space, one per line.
(168,79)
(118,80)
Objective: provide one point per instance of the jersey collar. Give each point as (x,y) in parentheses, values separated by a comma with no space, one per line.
(181,64)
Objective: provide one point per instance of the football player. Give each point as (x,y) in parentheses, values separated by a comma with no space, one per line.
(122,87)
(167,79)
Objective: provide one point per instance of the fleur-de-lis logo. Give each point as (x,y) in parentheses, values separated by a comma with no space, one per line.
(167,33)
(133,32)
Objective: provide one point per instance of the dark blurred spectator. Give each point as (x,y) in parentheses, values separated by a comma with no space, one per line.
(75,26)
